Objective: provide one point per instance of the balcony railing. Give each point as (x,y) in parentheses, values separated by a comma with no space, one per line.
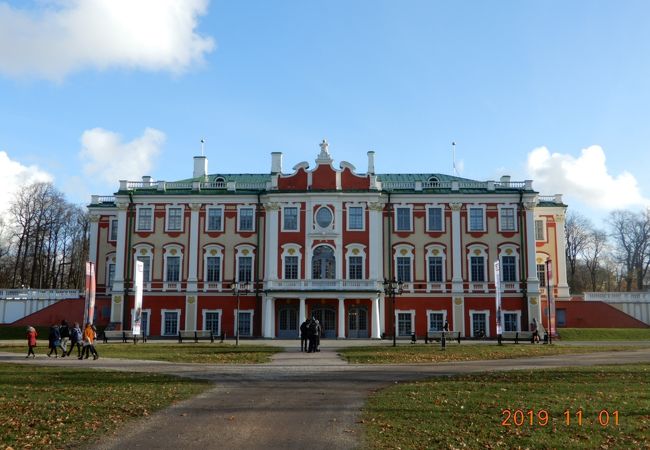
(436,287)
(339,285)
(38,294)
(212,286)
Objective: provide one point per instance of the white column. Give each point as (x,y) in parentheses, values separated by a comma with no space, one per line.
(118,281)
(302,312)
(457,269)
(341,334)
(376,328)
(534,303)
(562,285)
(93,238)
(382,314)
(271,238)
(194,248)
(267,314)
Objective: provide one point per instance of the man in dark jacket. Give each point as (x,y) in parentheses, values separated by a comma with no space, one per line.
(64,331)
(304,331)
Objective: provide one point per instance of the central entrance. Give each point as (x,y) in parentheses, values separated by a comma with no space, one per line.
(288,322)
(327,317)
(358,322)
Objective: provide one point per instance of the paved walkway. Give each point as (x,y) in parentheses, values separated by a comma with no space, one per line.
(297,401)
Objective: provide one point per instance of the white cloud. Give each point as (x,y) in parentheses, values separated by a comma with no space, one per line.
(106,157)
(64,36)
(14,175)
(585,178)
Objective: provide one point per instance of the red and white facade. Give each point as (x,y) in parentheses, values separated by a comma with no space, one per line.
(319,242)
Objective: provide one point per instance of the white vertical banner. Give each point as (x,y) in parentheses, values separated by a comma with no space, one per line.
(89,305)
(497,286)
(137,304)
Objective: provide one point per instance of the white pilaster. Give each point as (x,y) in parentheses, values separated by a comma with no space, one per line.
(191,308)
(458,313)
(457,251)
(382,314)
(375,253)
(271,238)
(341,321)
(302,312)
(268,317)
(562,285)
(118,281)
(376,327)
(194,247)
(534,303)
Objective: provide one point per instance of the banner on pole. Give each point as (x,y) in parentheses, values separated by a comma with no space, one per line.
(89,305)
(137,304)
(497,285)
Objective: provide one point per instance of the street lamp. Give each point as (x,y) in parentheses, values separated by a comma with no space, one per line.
(239,288)
(393,288)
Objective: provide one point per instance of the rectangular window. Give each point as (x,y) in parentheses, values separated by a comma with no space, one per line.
(213,268)
(436,321)
(476,219)
(404,269)
(540,234)
(435,219)
(245,323)
(290,219)
(145,219)
(212,322)
(173,268)
(435,269)
(245,269)
(113,233)
(403,219)
(479,324)
(246,219)
(507,219)
(355,267)
(541,274)
(477,267)
(170,323)
(111,276)
(510,322)
(404,324)
(174,219)
(144,327)
(355,218)
(509,268)
(146,268)
(215,219)
(290,267)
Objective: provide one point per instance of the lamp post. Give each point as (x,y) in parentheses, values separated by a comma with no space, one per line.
(393,288)
(549,297)
(239,288)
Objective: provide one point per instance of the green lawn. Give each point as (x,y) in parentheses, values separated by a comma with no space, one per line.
(468,411)
(183,353)
(604,334)
(421,353)
(46,407)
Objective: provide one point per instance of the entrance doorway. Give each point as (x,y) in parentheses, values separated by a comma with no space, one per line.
(358,322)
(327,318)
(288,323)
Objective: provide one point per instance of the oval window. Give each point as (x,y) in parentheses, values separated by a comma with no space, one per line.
(324,217)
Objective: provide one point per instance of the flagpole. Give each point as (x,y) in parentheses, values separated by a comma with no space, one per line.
(453,156)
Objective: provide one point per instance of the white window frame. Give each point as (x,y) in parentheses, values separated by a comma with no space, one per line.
(403,206)
(291,250)
(295,206)
(167,253)
(162,321)
(212,250)
(236,322)
(113,225)
(139,208)
(514,251)
(239,209)
(355,250)
(482,253)
(442,218)
(436,311)
(436,250)
(204,312)
(405,311)
(207,219)
(487,320)
(469,218)
(503,207)
(544,234)
(148,311)
(144,250)
(245,250)
(409,253)
(167,218)
(315,220)
(503,318)
(349,206)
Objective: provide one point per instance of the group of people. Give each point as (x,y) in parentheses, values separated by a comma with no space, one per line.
(60,335)
(310,331)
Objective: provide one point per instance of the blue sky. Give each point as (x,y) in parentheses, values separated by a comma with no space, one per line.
(96,90)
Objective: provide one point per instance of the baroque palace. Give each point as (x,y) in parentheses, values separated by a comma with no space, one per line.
(320,242)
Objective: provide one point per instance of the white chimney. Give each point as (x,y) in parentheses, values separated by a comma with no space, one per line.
(505,180)
(200,167)
(276,162)
(371,162)
(146,180)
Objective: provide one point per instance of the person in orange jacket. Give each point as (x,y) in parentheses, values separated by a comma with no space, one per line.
(89,339)
(31,341)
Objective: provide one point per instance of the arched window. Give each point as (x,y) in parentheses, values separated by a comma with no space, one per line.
(323,263)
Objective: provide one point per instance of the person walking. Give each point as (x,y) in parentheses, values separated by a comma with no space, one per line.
(76,339)
(31,341)
(535,329)
(64,331)
(304,331)
(89,339)
(54,340)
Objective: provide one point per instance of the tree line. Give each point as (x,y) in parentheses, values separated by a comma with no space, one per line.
(614,258)
(43,240)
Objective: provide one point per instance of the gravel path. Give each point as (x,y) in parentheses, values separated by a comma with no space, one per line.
(296,401)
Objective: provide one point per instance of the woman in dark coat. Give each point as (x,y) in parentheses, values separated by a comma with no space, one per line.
(55,340)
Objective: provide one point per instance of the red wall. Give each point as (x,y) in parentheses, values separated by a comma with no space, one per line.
(596,315)
(71,310)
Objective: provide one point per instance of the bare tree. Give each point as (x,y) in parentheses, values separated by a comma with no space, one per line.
(592,255)
(578,229)
(631,237)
